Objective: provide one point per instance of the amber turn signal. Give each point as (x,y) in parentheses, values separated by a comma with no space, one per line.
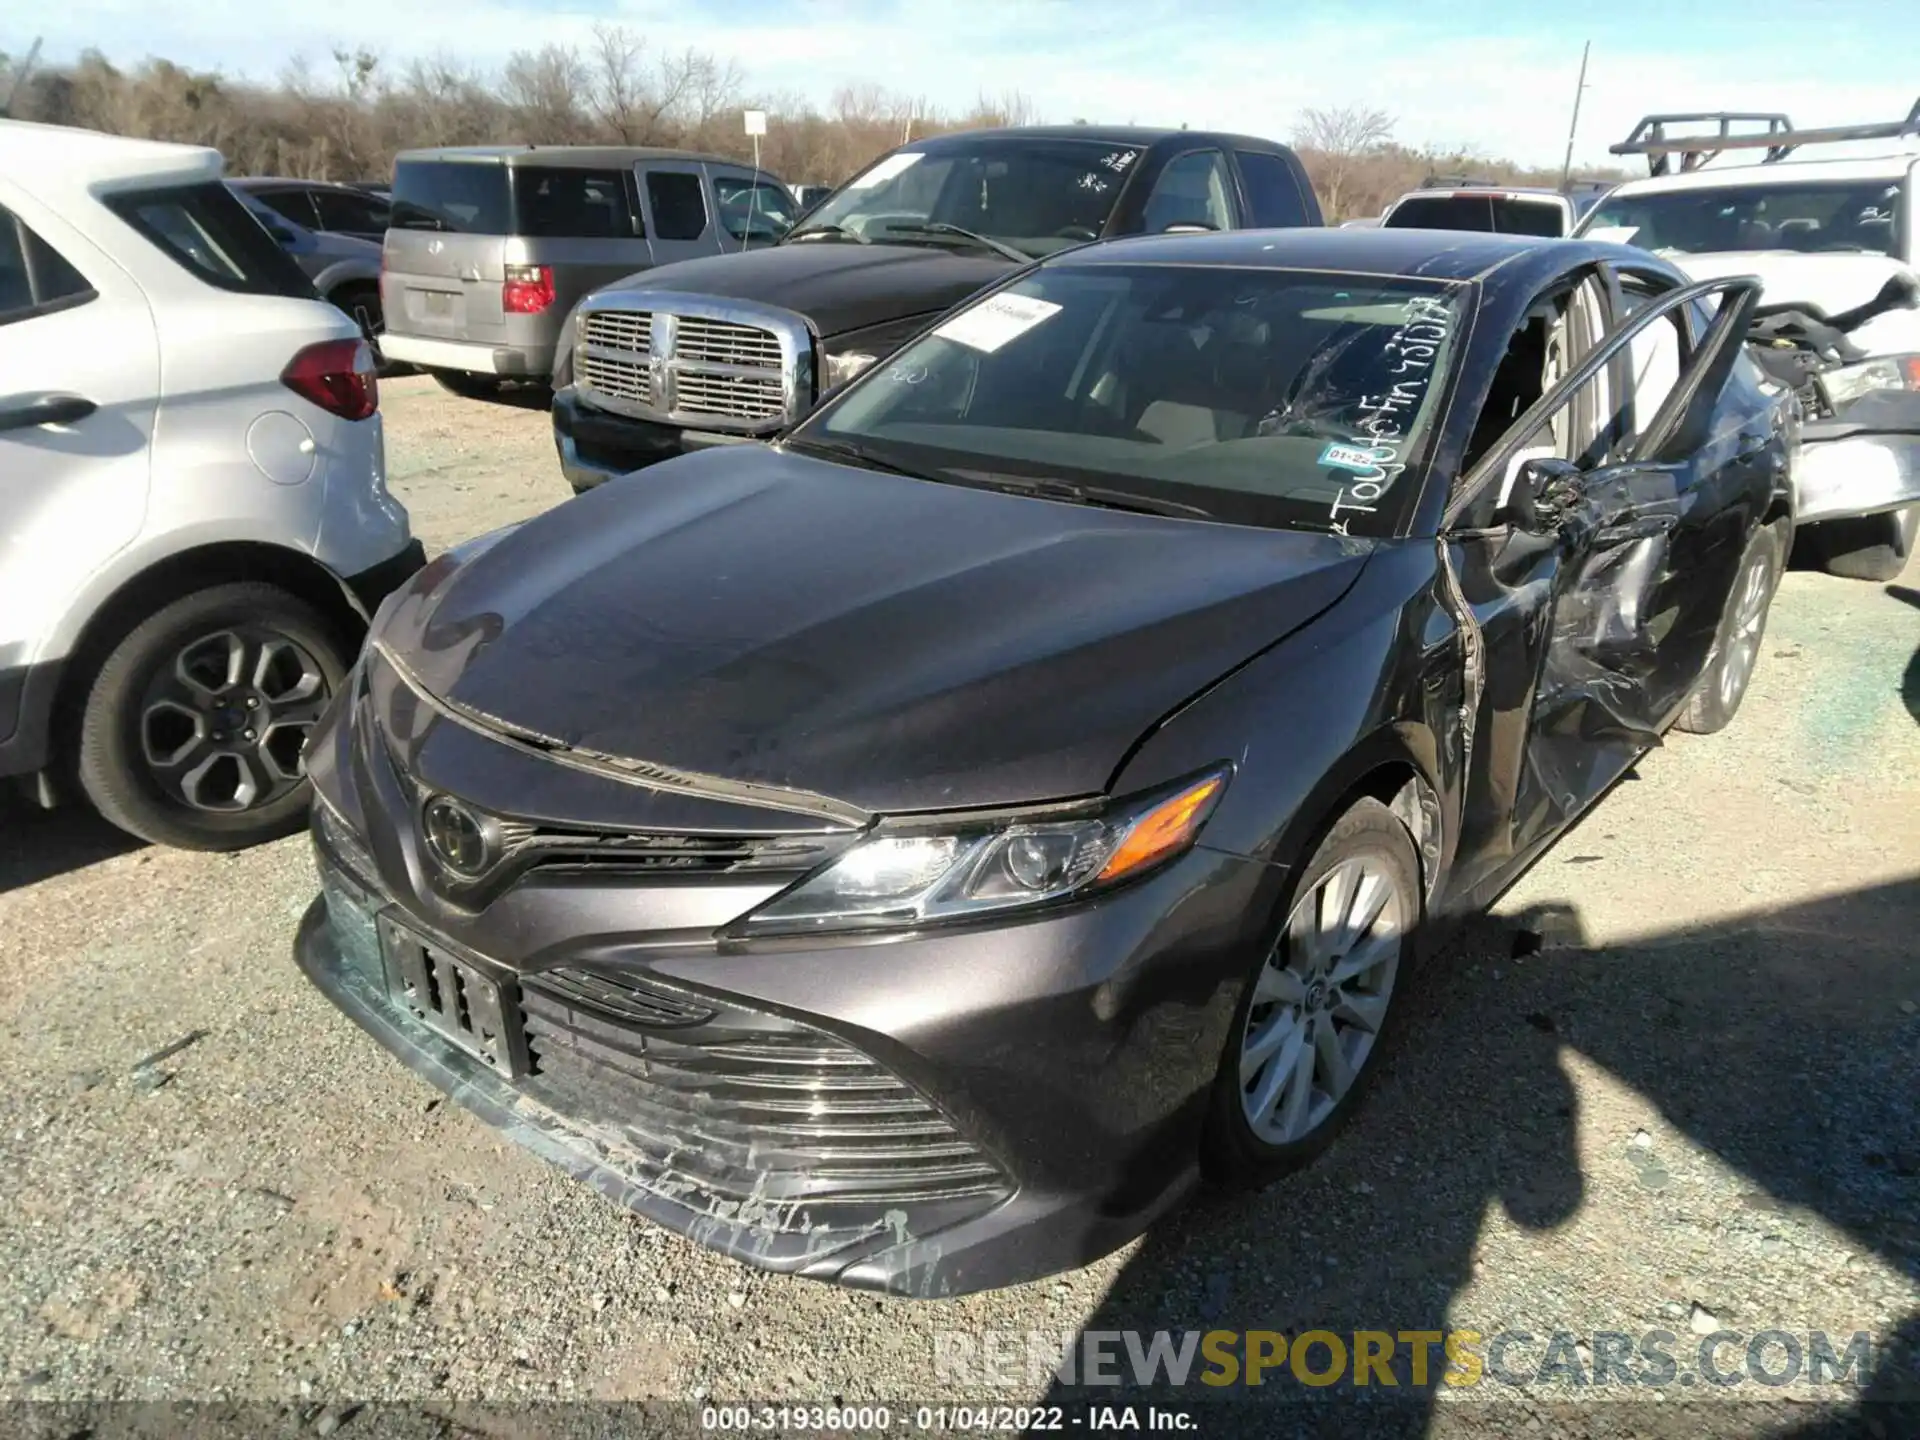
(1168,827)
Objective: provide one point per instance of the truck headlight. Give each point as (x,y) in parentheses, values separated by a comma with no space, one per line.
(1847,383)
(894,880)
(839,369)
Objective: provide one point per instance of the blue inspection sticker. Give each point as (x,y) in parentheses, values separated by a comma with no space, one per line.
(1360,459)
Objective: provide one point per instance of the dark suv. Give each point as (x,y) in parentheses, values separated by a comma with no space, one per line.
(736,347)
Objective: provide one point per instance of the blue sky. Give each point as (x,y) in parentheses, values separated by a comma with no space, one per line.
(1495,75)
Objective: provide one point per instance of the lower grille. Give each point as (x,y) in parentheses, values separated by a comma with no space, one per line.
(622,379)
(748,1115)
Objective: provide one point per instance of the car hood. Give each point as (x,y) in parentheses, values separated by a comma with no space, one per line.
(1833,282)
(838,285)
(761,618)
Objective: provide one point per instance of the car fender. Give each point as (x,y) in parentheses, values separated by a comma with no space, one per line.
(347,271)
(1354,697)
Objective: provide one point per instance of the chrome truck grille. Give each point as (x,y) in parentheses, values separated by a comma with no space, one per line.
(693,361)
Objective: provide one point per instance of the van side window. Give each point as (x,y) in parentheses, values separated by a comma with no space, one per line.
(34,277)
(572,204)
(1273,194)
(679,208)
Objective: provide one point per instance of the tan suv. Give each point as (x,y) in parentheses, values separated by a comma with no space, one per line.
(490,246)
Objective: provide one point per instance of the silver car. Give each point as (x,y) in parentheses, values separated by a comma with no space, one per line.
(491,246)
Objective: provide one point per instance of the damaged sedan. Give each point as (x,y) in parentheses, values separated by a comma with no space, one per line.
(913,854)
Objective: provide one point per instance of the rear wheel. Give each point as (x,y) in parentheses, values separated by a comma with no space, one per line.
(469,386)
(194,729)
(1874,547)
(1736,647)
(1308,1029)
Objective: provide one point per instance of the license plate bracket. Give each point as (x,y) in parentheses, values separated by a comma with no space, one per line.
(455,998)
(439,304)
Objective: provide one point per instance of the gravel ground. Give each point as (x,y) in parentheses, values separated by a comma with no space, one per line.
(1677,1074)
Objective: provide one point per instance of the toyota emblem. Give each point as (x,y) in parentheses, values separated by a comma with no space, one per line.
(457,838)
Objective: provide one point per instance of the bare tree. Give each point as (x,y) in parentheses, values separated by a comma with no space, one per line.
(619,80)
(1341,137)
(545,88)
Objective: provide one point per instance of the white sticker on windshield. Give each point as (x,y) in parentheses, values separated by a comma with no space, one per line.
(1612,234)
(996,320)
(886,170)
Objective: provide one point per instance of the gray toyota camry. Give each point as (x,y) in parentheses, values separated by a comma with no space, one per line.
(914,853)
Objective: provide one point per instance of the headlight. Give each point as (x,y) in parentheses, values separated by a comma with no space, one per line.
(1884,372)
(906,879)
(841,368)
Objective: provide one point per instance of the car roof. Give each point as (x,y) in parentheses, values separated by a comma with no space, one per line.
(1141,136)
(1789,171)
(1432,254)
(1514,192)
(565,157)
(60,157)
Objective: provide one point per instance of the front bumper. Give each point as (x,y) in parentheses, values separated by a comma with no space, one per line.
(1062,1063)
(596,446)
(1863,461)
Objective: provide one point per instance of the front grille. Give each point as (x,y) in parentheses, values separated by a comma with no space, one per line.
(622,379)
(742,396)
(635,851)
(722,342)
(618,329)
(745,1115)
(686,367)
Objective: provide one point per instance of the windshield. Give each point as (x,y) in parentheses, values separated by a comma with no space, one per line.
(1035,195)
(1858,217)
(1284,398)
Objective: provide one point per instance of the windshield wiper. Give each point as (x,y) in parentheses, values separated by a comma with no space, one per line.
(848,452)
(838,231)
(940,227)
(1099,496)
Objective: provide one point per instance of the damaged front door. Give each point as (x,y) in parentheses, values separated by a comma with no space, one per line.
(1591,550)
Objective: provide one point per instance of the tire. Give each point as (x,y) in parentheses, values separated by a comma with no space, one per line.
(468,386)
(1287,999)
(1736,646)
(1874,547)
(170,740)
(362,302)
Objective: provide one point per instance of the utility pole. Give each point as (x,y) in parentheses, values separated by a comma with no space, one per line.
(1566,170)
(20,72)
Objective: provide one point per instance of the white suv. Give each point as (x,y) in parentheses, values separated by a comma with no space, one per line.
(1829,233)
(194,517)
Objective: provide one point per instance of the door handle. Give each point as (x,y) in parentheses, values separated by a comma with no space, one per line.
(46,410)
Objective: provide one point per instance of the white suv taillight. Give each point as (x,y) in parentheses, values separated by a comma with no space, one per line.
(340,376)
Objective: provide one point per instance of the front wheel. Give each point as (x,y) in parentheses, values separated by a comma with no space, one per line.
(1736,646)
(1874,547)
(1309,1026)
(194,728)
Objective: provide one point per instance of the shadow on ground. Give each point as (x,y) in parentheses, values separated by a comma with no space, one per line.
(38,844)
(1910,681)
(1779,1044)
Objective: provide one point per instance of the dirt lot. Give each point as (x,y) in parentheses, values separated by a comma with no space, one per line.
(1699,1095)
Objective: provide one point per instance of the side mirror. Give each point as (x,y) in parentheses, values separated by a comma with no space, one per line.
(1539,493)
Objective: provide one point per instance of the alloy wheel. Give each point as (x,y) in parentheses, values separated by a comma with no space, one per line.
(1743,636)
(224,723)
(1319,1000)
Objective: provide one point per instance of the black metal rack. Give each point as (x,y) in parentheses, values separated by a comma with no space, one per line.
(1777,137)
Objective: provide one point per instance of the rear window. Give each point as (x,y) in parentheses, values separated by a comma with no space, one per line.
(1502,214)
(206,230)
(466,198)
